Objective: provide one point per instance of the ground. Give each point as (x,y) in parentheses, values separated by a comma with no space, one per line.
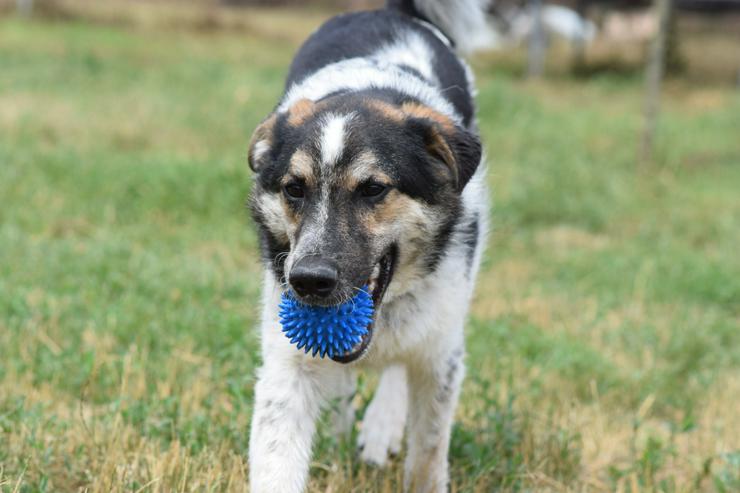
(604,341)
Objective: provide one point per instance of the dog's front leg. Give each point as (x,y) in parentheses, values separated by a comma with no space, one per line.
(434,387)
(288,400)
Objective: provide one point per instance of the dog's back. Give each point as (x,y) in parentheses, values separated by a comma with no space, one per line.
(388,37)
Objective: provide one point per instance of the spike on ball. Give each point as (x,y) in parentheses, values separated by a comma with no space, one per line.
(326,330)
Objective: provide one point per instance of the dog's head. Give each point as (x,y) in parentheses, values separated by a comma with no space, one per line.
(355,191)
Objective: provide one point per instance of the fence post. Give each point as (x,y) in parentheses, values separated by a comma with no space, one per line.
(536,55)
(653,80)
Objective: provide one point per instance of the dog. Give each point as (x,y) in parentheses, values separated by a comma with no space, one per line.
(368,173)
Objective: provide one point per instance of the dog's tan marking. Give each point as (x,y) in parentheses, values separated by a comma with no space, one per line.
(363,168)
(291,219)
(389,210)
(395,209)
(277,217)
(301,111)
(437,146)
(387,110)
(288,216)
(261,142)
(301,166)
(421,111)
(409,109)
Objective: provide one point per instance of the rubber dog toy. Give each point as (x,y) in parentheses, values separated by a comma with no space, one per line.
(323,330)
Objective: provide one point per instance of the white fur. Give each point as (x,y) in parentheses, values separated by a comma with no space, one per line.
(410,50)
(385,417)
(332,140)
(363,73)
(260,148)
(272,210)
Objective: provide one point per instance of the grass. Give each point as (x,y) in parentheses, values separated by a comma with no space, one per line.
(604,342)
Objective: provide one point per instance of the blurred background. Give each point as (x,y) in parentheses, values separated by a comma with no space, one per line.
(604,340)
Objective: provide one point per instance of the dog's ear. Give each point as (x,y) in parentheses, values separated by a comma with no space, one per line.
(459,149)
(261,144)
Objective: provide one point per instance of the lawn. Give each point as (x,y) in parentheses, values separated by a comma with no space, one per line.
(604,342)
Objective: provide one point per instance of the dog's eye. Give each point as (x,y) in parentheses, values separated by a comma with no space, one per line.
(294,190)
(373,190)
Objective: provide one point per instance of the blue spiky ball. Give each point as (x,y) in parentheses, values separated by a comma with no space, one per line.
(326,330)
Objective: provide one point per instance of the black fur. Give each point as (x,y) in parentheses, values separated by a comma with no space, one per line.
(405,6)
(469,233)
(442,240)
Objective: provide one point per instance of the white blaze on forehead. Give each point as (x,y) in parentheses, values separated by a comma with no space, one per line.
(333,135)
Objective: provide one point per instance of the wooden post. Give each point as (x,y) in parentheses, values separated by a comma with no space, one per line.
(536,56)
(578,44)
(653,80)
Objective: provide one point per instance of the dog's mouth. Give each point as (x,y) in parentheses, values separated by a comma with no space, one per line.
(378,282)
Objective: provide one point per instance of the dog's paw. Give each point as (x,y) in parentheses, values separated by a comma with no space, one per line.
(381,433)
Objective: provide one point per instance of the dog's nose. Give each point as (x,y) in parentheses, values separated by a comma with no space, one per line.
(314,276)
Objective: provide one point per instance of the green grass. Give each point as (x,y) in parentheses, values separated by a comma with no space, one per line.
(604,343)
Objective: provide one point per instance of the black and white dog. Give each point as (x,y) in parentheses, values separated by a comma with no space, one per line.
(368,173)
